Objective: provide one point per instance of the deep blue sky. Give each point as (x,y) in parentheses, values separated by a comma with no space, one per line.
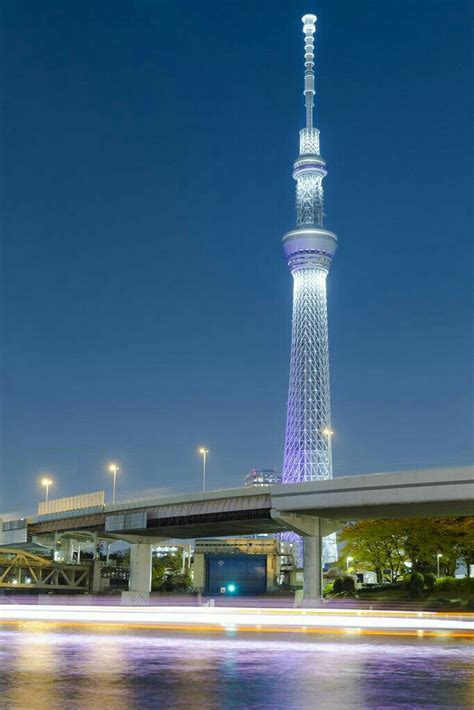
(147,154)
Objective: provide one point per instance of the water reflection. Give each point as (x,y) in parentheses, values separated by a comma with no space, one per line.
(69,668)
(102,664)
(36,670)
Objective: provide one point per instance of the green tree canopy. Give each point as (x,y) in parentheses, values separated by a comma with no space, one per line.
(397,545)
(167,574)
(376,545)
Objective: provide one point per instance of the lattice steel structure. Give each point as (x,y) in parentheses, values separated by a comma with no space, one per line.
(23,570)
(309,250)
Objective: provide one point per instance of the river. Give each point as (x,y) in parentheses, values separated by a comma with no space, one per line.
(52,668)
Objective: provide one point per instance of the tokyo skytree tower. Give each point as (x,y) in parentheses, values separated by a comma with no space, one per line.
(309,250)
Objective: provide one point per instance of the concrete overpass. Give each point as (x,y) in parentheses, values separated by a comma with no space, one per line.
(312,509)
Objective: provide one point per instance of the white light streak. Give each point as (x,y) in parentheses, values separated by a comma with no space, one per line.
(235,618)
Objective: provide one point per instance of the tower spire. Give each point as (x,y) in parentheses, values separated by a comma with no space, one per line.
(309,28)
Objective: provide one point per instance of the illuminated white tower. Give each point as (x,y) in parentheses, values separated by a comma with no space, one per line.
(309,250)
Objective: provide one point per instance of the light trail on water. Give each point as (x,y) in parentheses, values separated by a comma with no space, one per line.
(246,619)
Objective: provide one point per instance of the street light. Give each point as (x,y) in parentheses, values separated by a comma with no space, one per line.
(204,453)
(46,482)
(437,561)
(113,468)
(328,432)
(348,559)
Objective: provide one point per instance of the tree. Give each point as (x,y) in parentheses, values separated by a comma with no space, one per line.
(167,575)
(425,538)
(376,545)
(397,545)
(418,541)
(457,542)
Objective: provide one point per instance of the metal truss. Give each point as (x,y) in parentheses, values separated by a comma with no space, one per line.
(309,141)
(309,199)
(307,444)
(329,547)
(22,570)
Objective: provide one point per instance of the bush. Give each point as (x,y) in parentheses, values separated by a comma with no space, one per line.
(453,584)
(416,584)
(328,589)
(337,586)
(430,580)
(348,584)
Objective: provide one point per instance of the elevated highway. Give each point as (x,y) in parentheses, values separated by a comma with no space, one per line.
(312,509)
(241,511)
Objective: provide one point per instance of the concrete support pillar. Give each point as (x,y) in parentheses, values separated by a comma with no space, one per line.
(140,568)
(312,565)
(96,580)
(312,529)
(68,547)
(199,578)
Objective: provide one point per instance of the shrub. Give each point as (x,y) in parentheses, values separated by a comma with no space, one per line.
(430,581)
(348,584)
(328,589)
(337,586)
(453,584)
(416,584)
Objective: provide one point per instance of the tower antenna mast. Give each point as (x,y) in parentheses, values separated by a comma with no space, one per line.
(309,28)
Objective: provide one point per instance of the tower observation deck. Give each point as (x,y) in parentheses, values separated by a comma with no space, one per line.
(309,249)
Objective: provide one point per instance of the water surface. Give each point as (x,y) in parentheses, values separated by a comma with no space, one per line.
(53,668)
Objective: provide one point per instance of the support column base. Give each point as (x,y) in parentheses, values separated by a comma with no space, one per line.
(140,570)
(135,598)
(311,603)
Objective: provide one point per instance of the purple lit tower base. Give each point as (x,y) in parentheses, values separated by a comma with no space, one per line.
(329,552)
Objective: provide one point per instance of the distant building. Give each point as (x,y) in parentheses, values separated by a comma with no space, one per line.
(262,477)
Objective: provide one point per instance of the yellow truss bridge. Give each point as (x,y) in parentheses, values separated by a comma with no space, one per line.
(24,570)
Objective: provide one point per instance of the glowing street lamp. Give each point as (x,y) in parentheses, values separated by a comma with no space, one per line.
(329,433)
(204,453)
(438,556)
(46,482)
(113,468)
(348,559)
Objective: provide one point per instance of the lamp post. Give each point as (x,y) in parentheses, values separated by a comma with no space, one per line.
(328,432)
(204,453)
(438,556)
(348,559)
(113,468)
(46,482)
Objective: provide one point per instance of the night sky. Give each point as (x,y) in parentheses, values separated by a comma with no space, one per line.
(147,150)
